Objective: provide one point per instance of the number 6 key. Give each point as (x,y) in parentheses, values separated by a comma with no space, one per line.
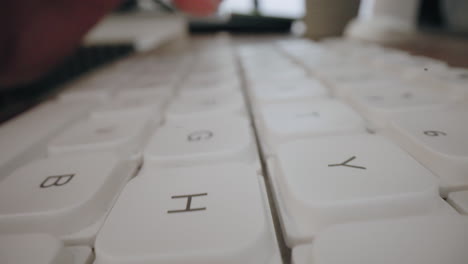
(438,138)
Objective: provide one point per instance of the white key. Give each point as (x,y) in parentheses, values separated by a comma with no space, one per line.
(213,68)
(40,249)
(190,89)
(211,214)
(86,93)
(341,179)
(121,107)
(26,136)
(220,76)
(214,105)
(418,240)
(61,195)
(204,140)
(123,136)
(378,81)
(282,74)
(162,93)
(346,73)
(402,61)
(459,200)
(438,138)
(287,121)
(297,89)
(154,80)
(457,78)
(378,104)
(308,52)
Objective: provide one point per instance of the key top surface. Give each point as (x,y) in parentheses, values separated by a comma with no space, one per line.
(125,106)
(296,89)
(340,179)
(122,136)
(214,105)
(23,134)
(61,195)
(33,248)
(378,104)
(202,141)
(438,138)
(210,214)
(289,121)
(38,248)
(419,240)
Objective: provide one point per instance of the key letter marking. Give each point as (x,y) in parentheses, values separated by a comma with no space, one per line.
(189,202)
(345,163)
(58,180)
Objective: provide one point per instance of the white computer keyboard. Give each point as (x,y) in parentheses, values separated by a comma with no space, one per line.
(227,152)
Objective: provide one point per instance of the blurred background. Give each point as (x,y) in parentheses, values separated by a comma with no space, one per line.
(435,28)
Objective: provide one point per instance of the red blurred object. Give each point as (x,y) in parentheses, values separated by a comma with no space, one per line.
(198,7)
(36,35)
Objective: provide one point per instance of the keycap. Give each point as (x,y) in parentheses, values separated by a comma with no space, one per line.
(288,121)
(402,61)
(40,249)
(86,94)
(419,240)
(332,180)
(459,200)
(61,195)
(214,105)
(377,105)
(345,87)
(207,88)
(295,89)
(306,52)
(283,73)
(156,80)
(125,106)
(25,137)
(162,93)
(438,138)
(123,136)
(202,141)
(205,214)
(345,73)
(220,77)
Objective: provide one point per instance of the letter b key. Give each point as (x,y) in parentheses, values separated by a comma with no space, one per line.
(58,180)
(46,196)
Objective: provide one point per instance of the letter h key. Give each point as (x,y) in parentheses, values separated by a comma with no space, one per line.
(188,207)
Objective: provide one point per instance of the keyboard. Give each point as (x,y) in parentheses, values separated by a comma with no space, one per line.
(243,151)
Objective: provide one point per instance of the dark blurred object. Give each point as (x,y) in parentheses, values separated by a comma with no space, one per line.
(430,14)
(328,18)
(127,5)
(456,15)
(238,23)
(444,17)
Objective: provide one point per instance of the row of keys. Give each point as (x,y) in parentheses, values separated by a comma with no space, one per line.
(86,147)
(400,110)
(179,208)
(329,175)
